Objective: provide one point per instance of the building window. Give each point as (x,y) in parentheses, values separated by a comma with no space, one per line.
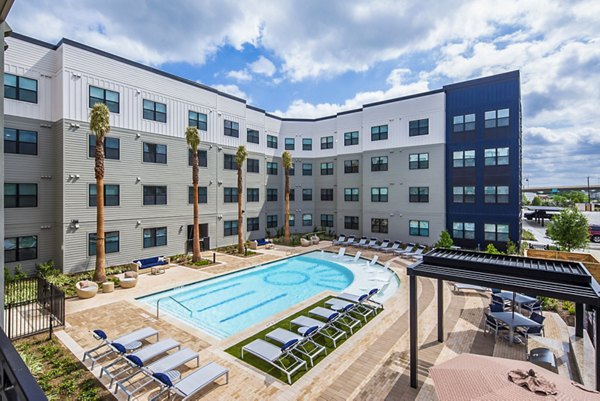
(289,144)
(418,161)
(463,194)
(326,194)
(379,194)
(155,237)
(155,111)
(464,158)
(463,230)
(292,220)
(20,195)
(252,195)
(197,120)
(495,194)
(271,194)
(379,226)
(230,195)
(350,166)
(419,228)
(496,232)
(350,138)
(464,123)
(351,222)
(229,162)
(379,133)
(111,195)
(20,141)
(307,194)
(418,194)
(272,168)
(109,98)
(496,157)
(306,143)
(252,224)
(111,147)
(292,194)
(272,221)
(202,195)
(155,153)
(497,118)
(155,195)
(306,169)
(326,220)
(252,136)
(231,128)
(17,249)
(202,158)
(418,127)
(351,194)
(111,242)
(326,142)
(230,227)
(379,163)
(307,220)
(271,142)
(327,168)
(20,88)
(292,170)
(252,166)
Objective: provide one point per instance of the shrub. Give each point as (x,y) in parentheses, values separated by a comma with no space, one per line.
(528,236)
(491,249)
(549,304)
(47,269)
(445,240)
(511,248)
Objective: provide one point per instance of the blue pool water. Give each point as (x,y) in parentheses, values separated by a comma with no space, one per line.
(226,305)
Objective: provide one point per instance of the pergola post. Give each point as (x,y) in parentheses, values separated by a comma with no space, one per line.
(579,319)
(414,335)
(440,302)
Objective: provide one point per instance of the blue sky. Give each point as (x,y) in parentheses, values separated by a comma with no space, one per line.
(313,58)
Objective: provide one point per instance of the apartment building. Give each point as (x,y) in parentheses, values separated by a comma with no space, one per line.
(392,169)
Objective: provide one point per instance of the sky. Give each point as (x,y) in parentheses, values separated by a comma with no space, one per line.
(313,58)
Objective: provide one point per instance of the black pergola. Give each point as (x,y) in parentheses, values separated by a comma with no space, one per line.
(563,280)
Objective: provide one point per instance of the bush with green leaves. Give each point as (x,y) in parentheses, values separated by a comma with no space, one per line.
(569,229)
(491,249)
(527,236)
(445,240)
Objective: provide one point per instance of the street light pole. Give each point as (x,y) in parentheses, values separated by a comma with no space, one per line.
(589,193)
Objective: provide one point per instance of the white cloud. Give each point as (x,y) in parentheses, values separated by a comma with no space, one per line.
(240,75)
(263,66)
(233,90)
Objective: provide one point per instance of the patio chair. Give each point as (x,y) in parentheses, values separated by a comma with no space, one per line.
(500,301)
(341,253)
(326,329)
(533,307)
(338,241)
(383,245)
(496,308)
(129,279)
(395,246)
(342,318)
(86,289)
(414,254)
(193,383)
(341,304)
(372,242)
(407,249)
(276,356)
(356,257)
(533,331)
(493,325)
(372,262)
(496,290)
(364,299)
(305,345)
(349,241)
(361,243)
(126,341)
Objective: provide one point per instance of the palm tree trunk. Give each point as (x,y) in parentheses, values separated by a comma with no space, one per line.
(240,219)
(196,255)
(286,223)
(99,272)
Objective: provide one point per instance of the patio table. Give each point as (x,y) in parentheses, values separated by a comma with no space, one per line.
(520,299)
(513,321)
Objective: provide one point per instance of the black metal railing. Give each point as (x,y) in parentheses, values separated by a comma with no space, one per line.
(32,306)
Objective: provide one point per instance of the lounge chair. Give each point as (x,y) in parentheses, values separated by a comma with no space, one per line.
(383,245)
(341,304)
(364,299)
(340,239)
(129,279)
(361,243)
(407,249)
(395,246)
(276,356)
(305,345)
(461,286)
(342,318)
(377,268)
(193,383)
(372,242)
(326,329)
(348,241)
(340,253)
(412,255)
(356,257)
(372,262)
(163,365)
(86,289)
(126,341)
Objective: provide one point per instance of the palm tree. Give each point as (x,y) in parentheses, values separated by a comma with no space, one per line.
(192,138)
(100,126)
(287,165)
(240,158)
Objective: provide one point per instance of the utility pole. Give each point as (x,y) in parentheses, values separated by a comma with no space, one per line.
(589,193)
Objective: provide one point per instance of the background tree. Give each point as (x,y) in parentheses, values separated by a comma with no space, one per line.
(287,165)
(192,137)
(100,127)
(569,229)
(240,158)
(537,201)
(491,249)
(445,240)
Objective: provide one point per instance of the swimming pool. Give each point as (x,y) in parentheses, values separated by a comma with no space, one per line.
(229,304)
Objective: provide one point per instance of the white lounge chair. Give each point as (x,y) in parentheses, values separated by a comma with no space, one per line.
(349,241)
(193,383)
(372,242)
(105,348)
(305,345)
(340,239)
(341,253)
(340,305)
(364,299)
(411,255)
(407,249)
(395,246)
(462,286)
(354,259)
(383,245)
(343,317)
(362,242)
(275,355)
(326,329)
(372,262)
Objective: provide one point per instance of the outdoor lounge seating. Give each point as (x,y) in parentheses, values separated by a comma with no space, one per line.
(276,356)
(504,302)
(348,242)
(461,287)
(342,318)
(193,383)
(305,242)
(356,257)
(261,242)
(129,279)
(372,242)
(305,345)
(372,262)
(341,252)
(496,308)
(147,263)
(127,341)
(341,304)
(326,329)
(493,325)
(415,254)
(361,243)
(383,245)
(364,299)
(533,307)
(533,331)
(86,289)
(395,246)
(407,249)
(338,241)
(315,240)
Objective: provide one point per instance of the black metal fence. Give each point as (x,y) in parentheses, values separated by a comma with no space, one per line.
(31,306)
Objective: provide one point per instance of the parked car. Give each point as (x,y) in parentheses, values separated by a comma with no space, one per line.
(595,233)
